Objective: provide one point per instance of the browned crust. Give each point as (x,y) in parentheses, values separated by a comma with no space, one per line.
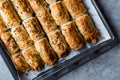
(37,5)
(72,35)
(51,1)
(20,62)
(75,7)
(46,52)
(33,28)
(46,20)
(23,8)
(8,14)
(86,27)
(21,37)
(9,42)
(2,26)
(59,13)
(58,43)
(33,58)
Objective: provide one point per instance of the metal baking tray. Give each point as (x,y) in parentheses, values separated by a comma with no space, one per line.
(75,58)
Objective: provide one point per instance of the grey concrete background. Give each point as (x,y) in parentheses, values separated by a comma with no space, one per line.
(105,67)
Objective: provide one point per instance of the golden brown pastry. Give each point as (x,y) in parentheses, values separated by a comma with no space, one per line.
(86,27)
(72,35)
(37,5)
(2,26)
(46,20)
(8,14)
(58,43)
(59,13)
(20,62)
(23,8)
(21,37)
(51,1)
(46,52)
(33,28)
(9,42)
(33,58)
(75,7)
(1,0)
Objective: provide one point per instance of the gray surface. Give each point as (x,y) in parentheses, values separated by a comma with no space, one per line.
(4,72)
(105,67)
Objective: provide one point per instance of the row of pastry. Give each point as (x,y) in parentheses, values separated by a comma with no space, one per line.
(33,55)
(33,33)
(62,11)
(59,15)
(49,23)
(58,43)
(19,36)
(59,10)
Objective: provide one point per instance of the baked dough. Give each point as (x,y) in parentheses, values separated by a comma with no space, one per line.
(75,7)
(33,58)
(37,5)
(59,13)
(23,8)
(46,20)
(20,62)
(1,0)
(58,43)
(51,1)
(9,42)
(33,28)
(21,37)
(2,26)
(46,52)
(86,27)
(8,14)
(72,35)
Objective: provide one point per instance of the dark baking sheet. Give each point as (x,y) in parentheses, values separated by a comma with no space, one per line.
(66,66)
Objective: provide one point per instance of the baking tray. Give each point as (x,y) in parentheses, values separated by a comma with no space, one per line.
(75,58)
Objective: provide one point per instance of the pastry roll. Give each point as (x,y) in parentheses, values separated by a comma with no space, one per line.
(20,62)
(33,28)
(33,58)
(86,27)
(2,26)
(59,13)
(37,5)
(46,52)
(21,37)
(8,14)
(75,7)
(23,8)
(46,20)
(58,43)
(72,35)
(9,42)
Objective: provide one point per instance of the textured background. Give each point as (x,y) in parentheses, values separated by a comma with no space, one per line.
(105,67)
